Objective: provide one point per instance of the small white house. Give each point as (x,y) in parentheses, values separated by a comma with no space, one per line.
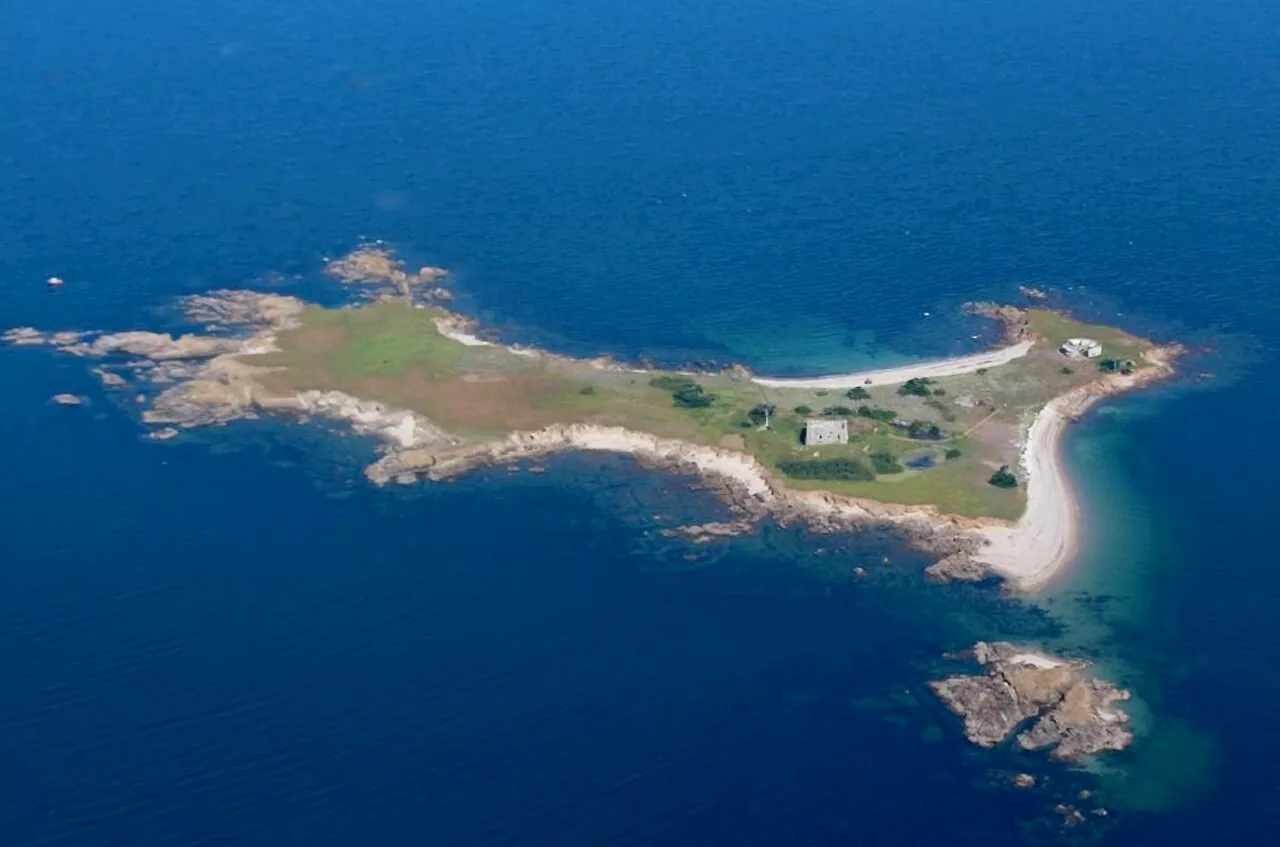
(1081,348)
(826,431)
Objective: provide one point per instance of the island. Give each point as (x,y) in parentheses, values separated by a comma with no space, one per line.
(961,454)
(1070,713)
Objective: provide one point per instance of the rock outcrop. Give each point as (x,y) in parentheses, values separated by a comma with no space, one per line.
(1075,715)
(1014,321)
(372,264)
(156,346)
(220,310)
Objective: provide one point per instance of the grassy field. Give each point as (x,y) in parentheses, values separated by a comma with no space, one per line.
(391,352)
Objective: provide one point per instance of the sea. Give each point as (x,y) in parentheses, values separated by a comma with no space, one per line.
(231,639)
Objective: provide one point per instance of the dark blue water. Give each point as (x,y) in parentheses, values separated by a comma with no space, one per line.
(233,641)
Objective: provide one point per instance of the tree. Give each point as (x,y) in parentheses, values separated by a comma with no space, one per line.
(1003,479)
(953,453)
(858,393)
(759,415)
(803,410)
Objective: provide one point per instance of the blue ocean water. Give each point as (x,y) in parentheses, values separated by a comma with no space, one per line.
(232,640)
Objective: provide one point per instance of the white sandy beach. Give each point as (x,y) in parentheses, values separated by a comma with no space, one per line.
(894,376)
(1043,541)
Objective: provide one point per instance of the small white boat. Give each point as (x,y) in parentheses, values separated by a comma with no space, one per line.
(54,281)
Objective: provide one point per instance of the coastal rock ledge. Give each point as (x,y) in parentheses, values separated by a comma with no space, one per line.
(1068,711)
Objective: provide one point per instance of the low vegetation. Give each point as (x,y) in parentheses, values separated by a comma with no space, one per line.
(886,463)
(885,415)
(841,468)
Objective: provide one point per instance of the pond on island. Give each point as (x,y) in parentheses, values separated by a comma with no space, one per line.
(920,461)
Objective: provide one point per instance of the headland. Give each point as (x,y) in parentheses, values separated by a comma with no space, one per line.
(961,454)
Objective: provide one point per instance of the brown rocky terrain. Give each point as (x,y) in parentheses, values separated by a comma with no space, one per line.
(1071,714)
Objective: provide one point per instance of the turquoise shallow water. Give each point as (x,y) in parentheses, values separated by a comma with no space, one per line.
(232,640)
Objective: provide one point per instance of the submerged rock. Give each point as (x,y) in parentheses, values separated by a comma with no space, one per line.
(1075,715)
(109,379)
(961,566)
(23,335)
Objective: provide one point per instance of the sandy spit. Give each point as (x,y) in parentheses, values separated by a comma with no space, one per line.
(1031,552)
(894,376)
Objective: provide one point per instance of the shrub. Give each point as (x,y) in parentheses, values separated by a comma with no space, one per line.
(834,468)
(953,453)
(1003,479)
(939,392)
(981,371)
(587,389)
(837,411)
(885,463)
(803,410)
(1068,370)
(885,415)
(857,393)
(918,387)
(692,396)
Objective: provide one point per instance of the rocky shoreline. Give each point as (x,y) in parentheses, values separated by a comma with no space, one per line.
(1062,709)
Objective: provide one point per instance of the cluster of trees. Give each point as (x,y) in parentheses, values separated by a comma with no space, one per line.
(1003,479)
(685,392)
(843,467)
(924,430)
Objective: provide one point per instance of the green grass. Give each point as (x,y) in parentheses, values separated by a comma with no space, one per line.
(957,487)
(387,340)
(1056,328)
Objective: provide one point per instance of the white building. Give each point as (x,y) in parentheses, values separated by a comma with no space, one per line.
(1081,348)
(826,431)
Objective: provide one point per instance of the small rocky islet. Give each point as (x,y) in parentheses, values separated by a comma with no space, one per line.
(1055,703)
